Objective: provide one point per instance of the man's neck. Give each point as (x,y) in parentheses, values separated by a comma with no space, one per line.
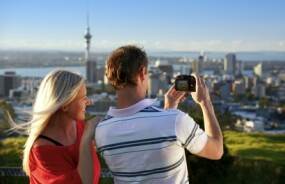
(129,96)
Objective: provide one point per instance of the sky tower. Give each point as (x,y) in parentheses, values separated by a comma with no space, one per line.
(87,37)
(91,66)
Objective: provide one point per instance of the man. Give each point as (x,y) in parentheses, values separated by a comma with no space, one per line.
(142,143)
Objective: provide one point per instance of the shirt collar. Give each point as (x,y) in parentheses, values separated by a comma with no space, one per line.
(113,111)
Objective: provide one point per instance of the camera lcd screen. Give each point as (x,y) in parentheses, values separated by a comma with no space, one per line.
(182,85)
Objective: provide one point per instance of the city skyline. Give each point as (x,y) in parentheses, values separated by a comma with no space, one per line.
(181,25)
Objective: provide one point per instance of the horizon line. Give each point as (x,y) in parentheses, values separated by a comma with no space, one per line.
(149,50)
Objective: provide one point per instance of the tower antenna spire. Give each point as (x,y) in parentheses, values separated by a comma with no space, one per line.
(87,17)
(87,36)
(91,65)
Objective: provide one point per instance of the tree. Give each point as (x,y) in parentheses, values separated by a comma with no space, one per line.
(6,110)
(249,96)
(202,170)
(264,102)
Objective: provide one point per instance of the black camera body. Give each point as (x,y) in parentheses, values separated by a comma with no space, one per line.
(185,83)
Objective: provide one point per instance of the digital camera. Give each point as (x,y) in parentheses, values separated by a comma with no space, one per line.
(185,83)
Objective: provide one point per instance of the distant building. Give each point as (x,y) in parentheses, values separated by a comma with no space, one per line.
(157,82)
(182,69)
(258,70)
(248,83)
(165,67)
(225,90)
(249,121)
(256,81)
(100,103)
(101,106)
(9,81)
(259,90)
(198,65)
(16,94)
(228,77)
(216,86)
(281,92)
(209,83)
(230,64)
(273,81)
(250,125)
(239,87)
(91,71)
(239,67)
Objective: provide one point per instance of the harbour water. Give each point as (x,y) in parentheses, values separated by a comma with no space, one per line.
(41,72)
(243,56)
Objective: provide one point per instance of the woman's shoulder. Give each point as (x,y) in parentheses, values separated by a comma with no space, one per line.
(42,142)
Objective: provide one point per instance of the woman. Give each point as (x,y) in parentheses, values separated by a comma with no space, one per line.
(59,148)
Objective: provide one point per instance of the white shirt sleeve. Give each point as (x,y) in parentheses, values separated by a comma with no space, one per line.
(189,134)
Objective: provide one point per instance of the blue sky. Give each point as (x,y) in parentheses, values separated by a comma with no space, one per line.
(172,25)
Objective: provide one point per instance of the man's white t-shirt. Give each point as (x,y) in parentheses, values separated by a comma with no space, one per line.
(145,144)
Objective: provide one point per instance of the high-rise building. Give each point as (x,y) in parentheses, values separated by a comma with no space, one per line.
(239,87)
(9,81)
(230,64)
(198,64)
(91,71)
(165,67)
(239,71)
(91,65)
(258,70)
(259,90)
(248,83)
(157,82)
(225,90)
(255,81)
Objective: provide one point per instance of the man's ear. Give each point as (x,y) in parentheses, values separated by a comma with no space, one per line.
(142,73)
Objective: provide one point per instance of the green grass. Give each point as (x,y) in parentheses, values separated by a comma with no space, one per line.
(246,145)
(255,153)
(11,152)
(257,146)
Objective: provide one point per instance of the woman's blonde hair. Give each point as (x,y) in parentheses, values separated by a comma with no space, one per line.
(57,89)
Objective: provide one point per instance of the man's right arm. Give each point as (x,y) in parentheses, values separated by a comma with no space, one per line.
(214,146)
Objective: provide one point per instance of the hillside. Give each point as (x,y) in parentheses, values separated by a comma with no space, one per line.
(257,146)
(248,156)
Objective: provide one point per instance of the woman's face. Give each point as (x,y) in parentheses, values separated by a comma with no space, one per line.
(76,109)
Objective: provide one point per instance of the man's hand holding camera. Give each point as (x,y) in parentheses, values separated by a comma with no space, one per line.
(173,98)
(193,84)
(201,95)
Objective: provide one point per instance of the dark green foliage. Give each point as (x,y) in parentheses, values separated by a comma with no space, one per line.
(106,181)
(263,102)
(14,180)
(255,171)
(11,151)
(6,110)
(203,170)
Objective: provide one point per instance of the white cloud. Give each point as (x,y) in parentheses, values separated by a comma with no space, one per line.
(42,44)
(206,45)
(282,44)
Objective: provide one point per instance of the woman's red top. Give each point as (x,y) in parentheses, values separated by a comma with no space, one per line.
(58,164)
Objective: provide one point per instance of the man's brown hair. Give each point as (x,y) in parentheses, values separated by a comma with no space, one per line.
(124,64)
